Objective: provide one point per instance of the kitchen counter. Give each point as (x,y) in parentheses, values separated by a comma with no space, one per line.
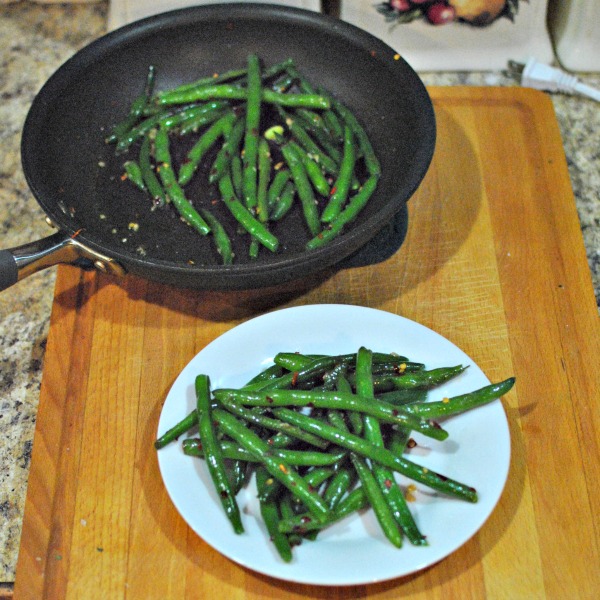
(34,41)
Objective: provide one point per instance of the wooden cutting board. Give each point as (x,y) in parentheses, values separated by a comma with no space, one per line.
(493,260)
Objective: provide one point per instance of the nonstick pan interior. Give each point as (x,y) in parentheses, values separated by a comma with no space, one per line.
(75,175)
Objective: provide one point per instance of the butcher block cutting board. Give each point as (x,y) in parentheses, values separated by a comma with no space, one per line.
(493,260)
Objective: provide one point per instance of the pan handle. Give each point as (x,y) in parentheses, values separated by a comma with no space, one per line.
(18,263)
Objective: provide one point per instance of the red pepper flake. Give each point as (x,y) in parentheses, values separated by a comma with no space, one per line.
(269,400)
(124,177)
(305,519)
(295,378)
(388,483)
(333,190)
(283,469)
(411,443)
(373,53)
(77,233)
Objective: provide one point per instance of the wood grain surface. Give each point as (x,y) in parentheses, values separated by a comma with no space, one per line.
(493,260)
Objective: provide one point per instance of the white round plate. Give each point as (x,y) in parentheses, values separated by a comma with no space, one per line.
(353,551)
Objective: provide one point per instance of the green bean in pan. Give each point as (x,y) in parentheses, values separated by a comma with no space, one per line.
(221,127)
(302,137)
(151,181)
(229,148)
(276,186)
(133,172)
(252,132)
(244,217)
(234,92)
(136,110)
(368,153)
(313,171)
(220,236)
(284,203)
(264,177)
(172,188)
(214,455)
(303,188)
(368,450)
(349,214)
(342,185)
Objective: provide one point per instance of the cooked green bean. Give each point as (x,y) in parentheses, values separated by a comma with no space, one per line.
(295,458)
(357,444)
(183,426)
(331,400)
(464,402)
(377,501)
(151,181)
(244,217)
(341,188)
(367,151)
(133,172)
(303,188)
(213,454)
(284,203)
(234,92)
(229,148)
(264,177)
(219,128)
(172,188)
(252,132)
(220,236)
(269,511)
(277,468)
(426,379)
(390,491)
(313,171)
(136,110)
(303,523)
(353,208)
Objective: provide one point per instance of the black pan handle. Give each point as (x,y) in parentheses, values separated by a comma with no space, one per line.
(18,263)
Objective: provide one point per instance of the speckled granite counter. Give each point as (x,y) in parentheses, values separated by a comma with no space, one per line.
(34,41)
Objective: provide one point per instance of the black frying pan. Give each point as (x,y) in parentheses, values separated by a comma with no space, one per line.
(75,176)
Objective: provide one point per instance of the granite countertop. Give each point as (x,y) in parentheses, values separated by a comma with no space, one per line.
(34,40)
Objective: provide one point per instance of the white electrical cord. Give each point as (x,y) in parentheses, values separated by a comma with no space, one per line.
(550,79)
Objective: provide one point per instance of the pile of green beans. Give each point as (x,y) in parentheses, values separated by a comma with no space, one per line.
(270,140)
(324,437)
